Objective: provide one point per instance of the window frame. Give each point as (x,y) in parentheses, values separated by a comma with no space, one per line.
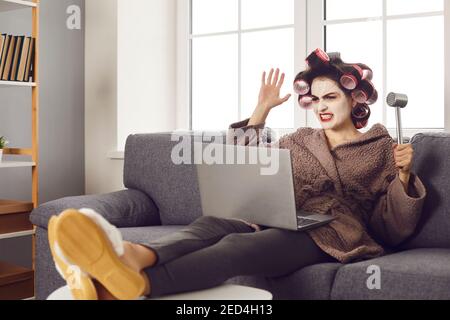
(184,72)
(308,24)
(316,12)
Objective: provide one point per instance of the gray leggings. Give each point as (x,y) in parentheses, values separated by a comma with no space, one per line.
(212,250)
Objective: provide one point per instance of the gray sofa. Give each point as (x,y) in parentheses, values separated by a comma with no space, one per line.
(162,197)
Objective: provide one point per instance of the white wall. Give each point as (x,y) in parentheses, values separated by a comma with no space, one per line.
(447,65)
(130,80)
(102,174)
(146,67)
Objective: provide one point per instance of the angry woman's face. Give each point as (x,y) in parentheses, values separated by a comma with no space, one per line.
(331,106)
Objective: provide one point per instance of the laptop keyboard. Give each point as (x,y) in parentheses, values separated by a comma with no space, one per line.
(303,222)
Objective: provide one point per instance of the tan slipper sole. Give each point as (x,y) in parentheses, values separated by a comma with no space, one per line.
(79,283)
(86,245)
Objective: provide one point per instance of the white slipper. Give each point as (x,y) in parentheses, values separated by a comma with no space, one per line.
(85,239)
(79,282)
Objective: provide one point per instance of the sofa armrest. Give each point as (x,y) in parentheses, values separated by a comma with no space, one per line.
(126,208)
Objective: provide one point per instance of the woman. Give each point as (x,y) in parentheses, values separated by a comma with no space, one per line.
(363,179)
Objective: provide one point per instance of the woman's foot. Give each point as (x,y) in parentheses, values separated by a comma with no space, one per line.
(136,257)
(102,292)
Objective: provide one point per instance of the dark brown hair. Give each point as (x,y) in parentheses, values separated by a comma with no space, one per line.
(335,69)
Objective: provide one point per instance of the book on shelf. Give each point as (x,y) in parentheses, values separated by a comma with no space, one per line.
(9,58)
(3,51)
(29,66)
(16,58)
(23,59)
(15,61)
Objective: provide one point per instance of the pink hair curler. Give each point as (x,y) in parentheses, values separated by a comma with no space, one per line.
(367,74)
(373,99)
(334,55)
(305,102)
(317,58)
(361,112)
(364,92)
(301,87)
(352,77)
(361,124)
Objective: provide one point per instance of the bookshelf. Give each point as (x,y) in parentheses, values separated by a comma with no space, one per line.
(17,282)
(17,84)
(10,5)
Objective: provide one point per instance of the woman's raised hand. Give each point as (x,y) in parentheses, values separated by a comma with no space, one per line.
(269,94)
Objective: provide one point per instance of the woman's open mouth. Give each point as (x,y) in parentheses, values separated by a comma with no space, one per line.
(326,117)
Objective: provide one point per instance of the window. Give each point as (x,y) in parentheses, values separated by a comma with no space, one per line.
(232,43)
(403,42)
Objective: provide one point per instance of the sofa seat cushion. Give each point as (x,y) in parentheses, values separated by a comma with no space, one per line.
(310,283)
(414,274)
(313,282)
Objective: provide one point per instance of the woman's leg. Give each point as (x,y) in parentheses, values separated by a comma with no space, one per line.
(269,253)
(202,233)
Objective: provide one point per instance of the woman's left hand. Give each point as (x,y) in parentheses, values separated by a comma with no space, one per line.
(403,155)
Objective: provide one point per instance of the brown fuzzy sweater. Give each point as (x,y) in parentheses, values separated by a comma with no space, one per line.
(357,182)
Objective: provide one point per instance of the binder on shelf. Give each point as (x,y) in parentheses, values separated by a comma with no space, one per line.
(4,54)
(3,38)
(16,58)
(15,62)
(23,59)
(9,59)
(30,61)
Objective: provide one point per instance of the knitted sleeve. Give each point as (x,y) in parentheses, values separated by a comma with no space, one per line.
(240,133)
(397,212)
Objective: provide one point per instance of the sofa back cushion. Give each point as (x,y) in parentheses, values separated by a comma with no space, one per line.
(432,164)
(172,186)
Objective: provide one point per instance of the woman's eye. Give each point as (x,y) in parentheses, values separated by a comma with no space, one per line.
(330,98)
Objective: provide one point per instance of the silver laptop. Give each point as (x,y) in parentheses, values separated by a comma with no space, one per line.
(242,191)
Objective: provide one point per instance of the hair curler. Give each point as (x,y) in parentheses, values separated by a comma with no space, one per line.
(398,101)
(373,99)
(361,114)
(301,87)
(364,92)
(367,74)
(352,76)
(317,58)
(334,56)
(305,102)
(361,124)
